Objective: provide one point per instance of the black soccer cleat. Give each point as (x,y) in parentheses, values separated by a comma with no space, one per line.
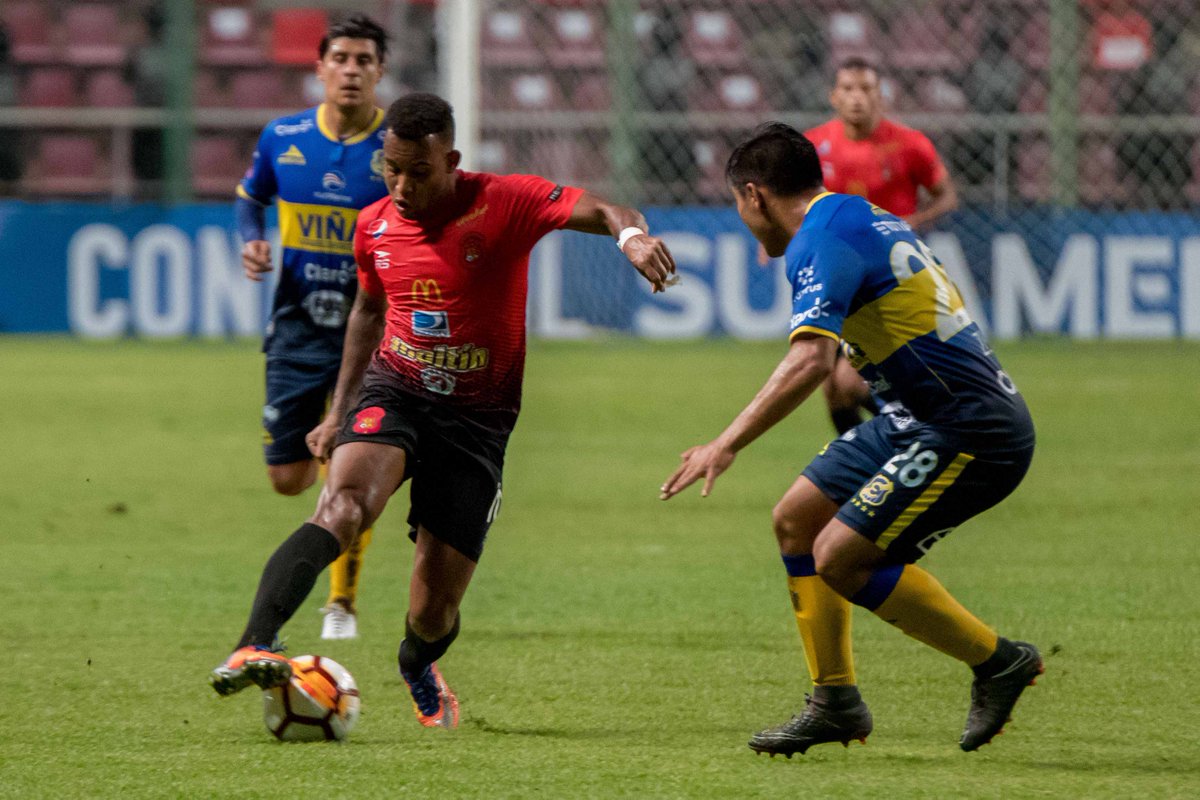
(817,725)
(992,699)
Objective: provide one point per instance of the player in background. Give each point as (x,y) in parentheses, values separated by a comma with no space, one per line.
(430,385)
(863,152)
(323,165)
(956,440)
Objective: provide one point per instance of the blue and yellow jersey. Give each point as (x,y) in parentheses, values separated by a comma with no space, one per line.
(860,274)
(321,182)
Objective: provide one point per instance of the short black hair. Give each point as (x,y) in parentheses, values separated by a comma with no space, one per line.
(359,26)
(776,156)
(419,114)
(855,63)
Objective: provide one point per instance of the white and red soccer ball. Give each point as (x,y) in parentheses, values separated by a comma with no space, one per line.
(319,703)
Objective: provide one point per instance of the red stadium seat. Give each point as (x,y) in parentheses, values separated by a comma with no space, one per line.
(218,163)
(569,161)
(507,39)
(1096,95)
(592,93)
(295,35)
(260,88)
(1033,169)
(578,38)
(1032,46)
(105,88)
(231,36)
(532,91)
(93,35)
(68,164)
(852,34)
(713,39)
(736,91)
(1099,173)
(50,87)
(30,33)
(921,38)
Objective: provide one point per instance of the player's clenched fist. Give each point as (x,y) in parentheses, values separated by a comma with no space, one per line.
(256,259)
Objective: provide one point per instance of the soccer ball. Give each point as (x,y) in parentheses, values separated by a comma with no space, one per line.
(319,703)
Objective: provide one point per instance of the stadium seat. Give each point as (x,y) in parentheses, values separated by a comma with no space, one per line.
(68,164)
(49,87)
(568,160)
(1096,95)
(592,93)
(713,39)
(260,88)
(852,34)
(1033,169)
(920,40)
(1032,45)
(106,88)
(218,163)
(93,35)
(532,91)
(30,33)
(207,91)
(736,91)
(578,38)
(231,36)
(295,35)
(1099,173)
(940,94)
(507,39)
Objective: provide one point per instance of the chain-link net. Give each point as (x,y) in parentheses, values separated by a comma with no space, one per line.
(1089,103)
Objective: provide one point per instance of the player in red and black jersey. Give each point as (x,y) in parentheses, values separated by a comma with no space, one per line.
(430,384)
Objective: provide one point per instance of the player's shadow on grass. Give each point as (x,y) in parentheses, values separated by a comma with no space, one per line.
(482,725)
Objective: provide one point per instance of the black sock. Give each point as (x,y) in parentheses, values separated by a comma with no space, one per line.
(416,654)
(287,579)
(844,418)
(836,698)
(1006,653)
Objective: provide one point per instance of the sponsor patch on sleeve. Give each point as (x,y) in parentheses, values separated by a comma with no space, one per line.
(555,193)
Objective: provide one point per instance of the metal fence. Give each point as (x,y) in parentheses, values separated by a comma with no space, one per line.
(1081,103)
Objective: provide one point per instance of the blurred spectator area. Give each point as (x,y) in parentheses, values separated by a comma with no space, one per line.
(973,74)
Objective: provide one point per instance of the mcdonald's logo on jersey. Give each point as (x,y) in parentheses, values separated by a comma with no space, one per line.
(427,290)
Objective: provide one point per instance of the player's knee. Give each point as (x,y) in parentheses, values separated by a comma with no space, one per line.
(793,533)
(342,511)
(432,618)
(836,567)
(290,479)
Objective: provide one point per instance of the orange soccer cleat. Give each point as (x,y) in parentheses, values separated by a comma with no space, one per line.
(254,664)
(433,702)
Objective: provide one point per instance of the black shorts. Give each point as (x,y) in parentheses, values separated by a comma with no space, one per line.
(455,462)
(906,488)
(297,395)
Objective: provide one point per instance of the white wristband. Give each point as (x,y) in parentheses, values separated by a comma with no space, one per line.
(626,235)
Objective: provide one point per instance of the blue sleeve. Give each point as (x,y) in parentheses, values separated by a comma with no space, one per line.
(259,183)
(825,274)
(251,219)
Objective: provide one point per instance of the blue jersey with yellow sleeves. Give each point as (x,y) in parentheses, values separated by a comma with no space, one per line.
(860,274)
(321,182)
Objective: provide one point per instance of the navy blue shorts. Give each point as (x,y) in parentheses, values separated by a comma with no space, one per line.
(906,488)
(297,396)
(455,462)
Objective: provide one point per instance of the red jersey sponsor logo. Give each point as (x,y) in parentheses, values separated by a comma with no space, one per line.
(369,420)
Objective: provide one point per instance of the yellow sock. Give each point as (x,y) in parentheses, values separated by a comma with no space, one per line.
(823,617)
(911,599)
(344,572)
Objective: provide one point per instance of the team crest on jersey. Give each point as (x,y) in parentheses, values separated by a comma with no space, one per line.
(377,228)
(431,323)
(377,162)
(292,156)
(876,491)
(369,420)
(472,248)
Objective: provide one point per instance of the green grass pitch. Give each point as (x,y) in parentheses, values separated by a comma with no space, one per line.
(613,645)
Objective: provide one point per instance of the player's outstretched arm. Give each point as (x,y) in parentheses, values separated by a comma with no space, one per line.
(807,363)
(648,254)
(943,198)
(364,329)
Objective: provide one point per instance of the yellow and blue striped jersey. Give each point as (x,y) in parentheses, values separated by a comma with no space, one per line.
(320,182)
(861,275)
